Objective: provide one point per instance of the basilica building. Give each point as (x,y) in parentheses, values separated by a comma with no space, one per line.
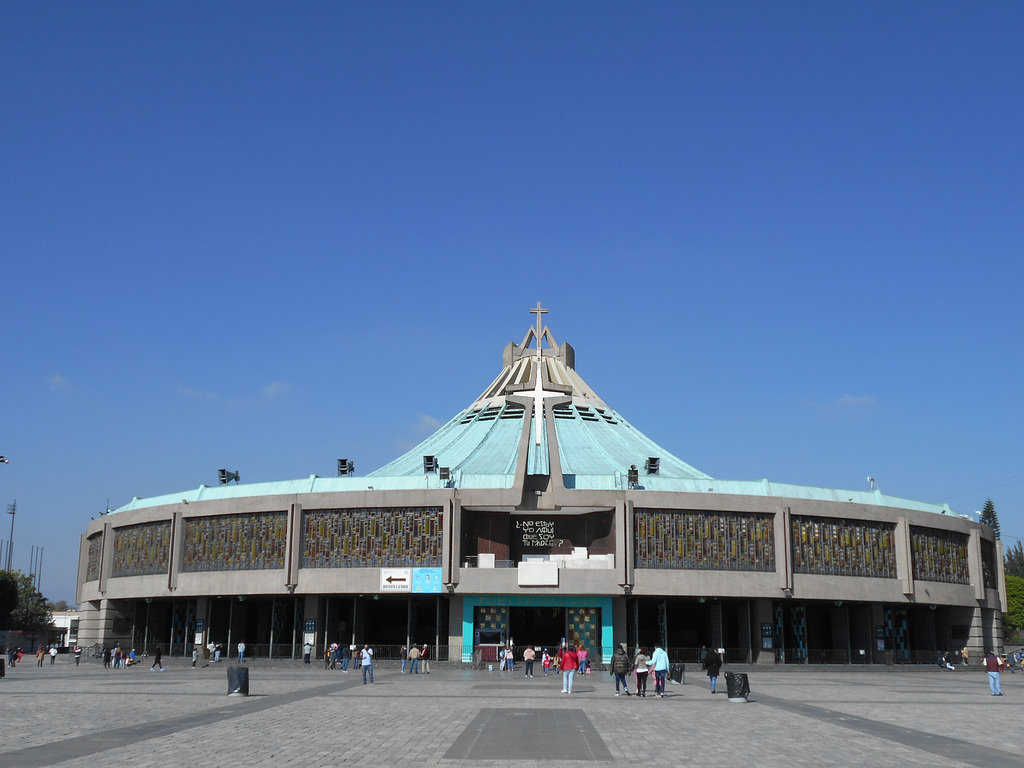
(539,515)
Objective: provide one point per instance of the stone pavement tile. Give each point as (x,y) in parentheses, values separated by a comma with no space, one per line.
(306,718)
(954,704)
(93,699)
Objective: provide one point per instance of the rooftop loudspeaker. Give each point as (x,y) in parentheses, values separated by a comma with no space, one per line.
(226,477)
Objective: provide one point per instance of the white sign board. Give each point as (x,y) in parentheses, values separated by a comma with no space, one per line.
(396,579)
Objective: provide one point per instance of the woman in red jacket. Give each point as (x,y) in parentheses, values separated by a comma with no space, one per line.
(569,665)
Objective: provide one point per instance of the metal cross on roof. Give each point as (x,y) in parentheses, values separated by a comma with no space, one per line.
(538,311)
(539,391)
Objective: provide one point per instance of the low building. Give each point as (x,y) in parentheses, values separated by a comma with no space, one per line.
(65,628)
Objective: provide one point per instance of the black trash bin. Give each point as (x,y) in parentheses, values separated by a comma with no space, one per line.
(238,681)
(3,668)
(738,685)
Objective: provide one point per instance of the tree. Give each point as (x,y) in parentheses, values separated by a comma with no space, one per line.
(1014,616)
(31,613)
(8,598)
(989,517)
(60,605)
(1013,561)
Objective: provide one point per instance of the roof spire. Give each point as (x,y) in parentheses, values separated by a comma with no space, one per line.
(538,311)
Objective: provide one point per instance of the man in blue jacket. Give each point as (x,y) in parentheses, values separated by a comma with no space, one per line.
(659,661)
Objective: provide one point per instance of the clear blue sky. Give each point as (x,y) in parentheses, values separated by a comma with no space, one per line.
(784,238)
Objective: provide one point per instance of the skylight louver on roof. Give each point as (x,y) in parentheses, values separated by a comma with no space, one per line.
(489,414)
(512,412)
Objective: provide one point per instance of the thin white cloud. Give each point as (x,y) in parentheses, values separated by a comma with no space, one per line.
(58,383)
(427,425)
(422,428)
(271,390)
(275,388)
(850,401)
(196,394)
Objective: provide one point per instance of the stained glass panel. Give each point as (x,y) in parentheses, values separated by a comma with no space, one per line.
(372,537)
(249,542)
(939,555)
(700,540)
(141,550)
(92,568)
(838,547)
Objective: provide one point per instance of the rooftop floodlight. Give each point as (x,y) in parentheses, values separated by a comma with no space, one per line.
(226,477)
(633,476)
(652,465)
(430,464)
(346,468)
(444,474)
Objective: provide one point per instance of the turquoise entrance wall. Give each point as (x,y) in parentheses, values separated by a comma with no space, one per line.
(470,602)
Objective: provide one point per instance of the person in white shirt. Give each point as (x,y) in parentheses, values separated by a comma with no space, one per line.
(366,657)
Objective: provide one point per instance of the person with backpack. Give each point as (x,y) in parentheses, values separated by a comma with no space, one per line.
(620,668)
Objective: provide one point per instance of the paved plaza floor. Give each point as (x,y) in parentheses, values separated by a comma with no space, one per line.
(305,716)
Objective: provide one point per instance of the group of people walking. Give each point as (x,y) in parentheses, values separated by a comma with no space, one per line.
(14,655)
(548,661)
(643,666)
(571,660)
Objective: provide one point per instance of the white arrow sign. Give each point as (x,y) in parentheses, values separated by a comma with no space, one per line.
(396,579)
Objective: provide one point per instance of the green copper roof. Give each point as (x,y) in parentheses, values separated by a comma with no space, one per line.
(539,405)
(592,440)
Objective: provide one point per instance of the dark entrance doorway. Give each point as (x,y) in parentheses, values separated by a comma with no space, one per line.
(688,625)
(386,621)
(537,626)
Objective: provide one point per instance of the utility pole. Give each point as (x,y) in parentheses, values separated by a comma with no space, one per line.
(11,509)
(35,570)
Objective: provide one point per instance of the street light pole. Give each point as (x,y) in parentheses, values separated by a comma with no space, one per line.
(11,509)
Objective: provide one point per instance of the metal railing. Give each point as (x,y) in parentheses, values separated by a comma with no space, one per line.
(481,656)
